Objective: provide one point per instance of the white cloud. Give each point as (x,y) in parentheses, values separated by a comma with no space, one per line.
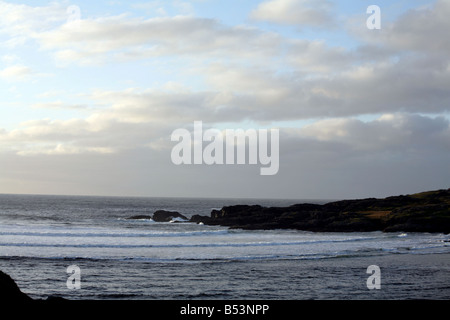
(315,13)
(16,73)
(10,59)
(62,149)
(56,104)
(161,8)
(21,22)
(109,130)
(96,39)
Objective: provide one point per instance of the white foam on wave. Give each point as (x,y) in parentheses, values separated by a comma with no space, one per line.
(136,220)
(185,241)
(62,231)
(178,219)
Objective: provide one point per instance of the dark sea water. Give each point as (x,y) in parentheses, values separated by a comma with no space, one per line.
(118,258)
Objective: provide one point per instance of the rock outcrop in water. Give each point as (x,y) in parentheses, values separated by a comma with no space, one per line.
(421,212)
(167,216)
(162,216)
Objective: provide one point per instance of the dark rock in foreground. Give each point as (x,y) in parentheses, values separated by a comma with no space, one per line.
(9,291)
(421,212)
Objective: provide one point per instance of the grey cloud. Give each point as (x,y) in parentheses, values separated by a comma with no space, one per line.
(419,30)
(316,56)
(366,89)
(338,157)
(390,132)
(423,29)
(261,94)
(345,158)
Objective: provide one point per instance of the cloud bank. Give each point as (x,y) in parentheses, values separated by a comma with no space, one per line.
(376,111)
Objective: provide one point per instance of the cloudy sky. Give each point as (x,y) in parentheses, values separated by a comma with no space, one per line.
(92,90)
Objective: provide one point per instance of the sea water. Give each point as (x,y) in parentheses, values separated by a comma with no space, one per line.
(121,258)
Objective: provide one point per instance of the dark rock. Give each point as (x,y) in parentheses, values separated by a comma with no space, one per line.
(160,216)
(425,218)
(56,299)
(9,291)
(166,216)
(200,219)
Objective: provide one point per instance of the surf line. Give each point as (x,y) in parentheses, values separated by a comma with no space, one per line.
(227,141)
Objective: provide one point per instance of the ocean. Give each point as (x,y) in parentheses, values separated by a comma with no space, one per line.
(118,258)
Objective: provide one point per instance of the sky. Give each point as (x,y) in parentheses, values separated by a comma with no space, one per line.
(91,92)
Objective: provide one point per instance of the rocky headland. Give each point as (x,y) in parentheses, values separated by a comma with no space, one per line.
(9,291)
(421,212)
